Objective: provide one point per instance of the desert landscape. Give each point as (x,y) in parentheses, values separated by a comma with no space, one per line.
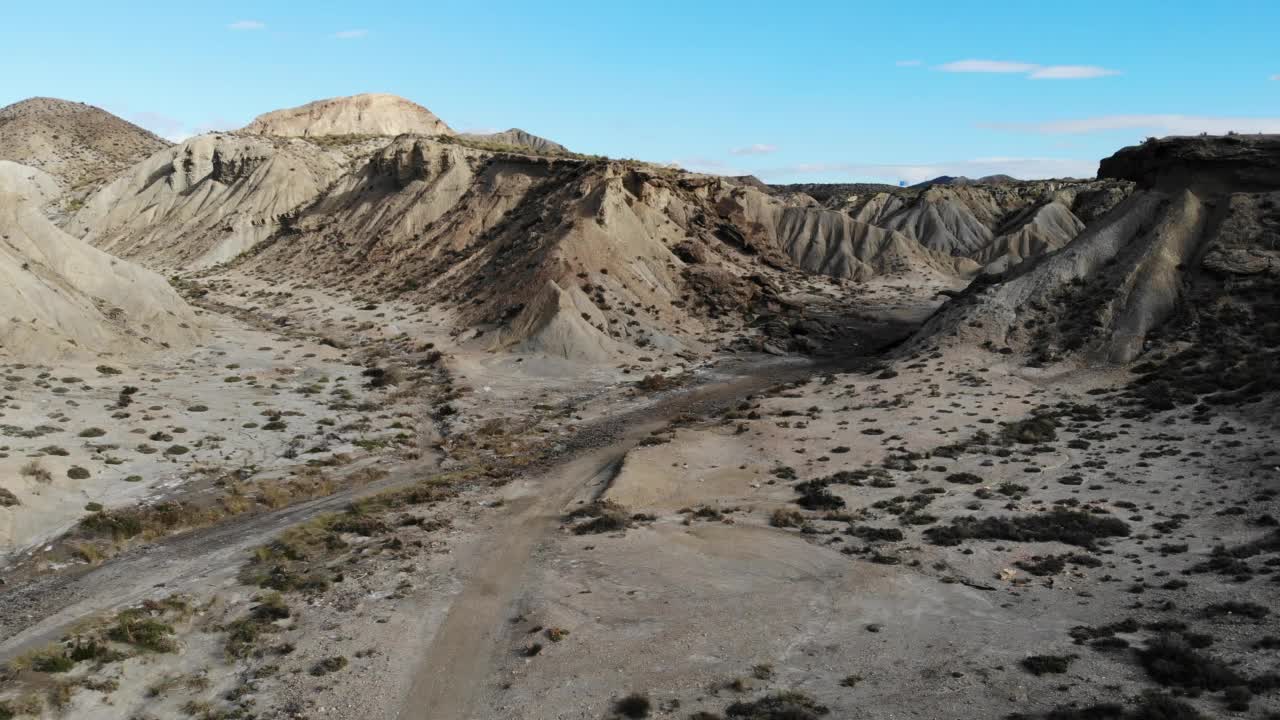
(348,414)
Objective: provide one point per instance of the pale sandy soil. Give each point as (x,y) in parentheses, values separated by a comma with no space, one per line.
(203,400)
(681,609)
(436,610)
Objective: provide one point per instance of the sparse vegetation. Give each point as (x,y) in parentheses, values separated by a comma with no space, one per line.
(244,633)
(36,471)
(598,517)
(635,705)
(1047,664)
(783,518)
(1072,527)
(143,628)
(788,705)
(1151,706)
(328,665)
(1170,660)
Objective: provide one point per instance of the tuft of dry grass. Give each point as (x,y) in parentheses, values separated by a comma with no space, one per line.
(786,518)
(37,472)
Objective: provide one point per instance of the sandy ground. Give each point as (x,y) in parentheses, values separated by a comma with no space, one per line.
(482,602)
(211,401)
(683,610)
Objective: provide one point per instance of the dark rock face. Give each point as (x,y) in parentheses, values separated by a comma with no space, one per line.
(1240,163)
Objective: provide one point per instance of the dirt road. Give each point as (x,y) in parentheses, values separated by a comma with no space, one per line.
(460,656)
(40,611)
(461,653)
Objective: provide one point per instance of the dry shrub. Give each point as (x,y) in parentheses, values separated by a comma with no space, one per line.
(37,472)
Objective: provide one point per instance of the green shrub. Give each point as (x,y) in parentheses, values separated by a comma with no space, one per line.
(788,705)
(1047,664)
(1073,527)
(53,660)
(634,705)
(1169,660)
(137,628)
(603,516)
(782,518)
(328,665)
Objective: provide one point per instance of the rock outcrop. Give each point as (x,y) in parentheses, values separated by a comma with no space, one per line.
(517,138)
(368,114)
(1194,252)
(207,200)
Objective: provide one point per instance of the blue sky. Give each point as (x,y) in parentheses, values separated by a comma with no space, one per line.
(821,91)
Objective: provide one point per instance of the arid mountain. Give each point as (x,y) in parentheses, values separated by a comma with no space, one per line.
(367,114)
(1191,260)
(78,144)
(962,180)
(517,138)
(962,219)
(438,385)
(580,257)
(593,256)
(835,195)
(62,298)
(207,200)
(995,225)
(1034,231)
(575,258)
(834,243)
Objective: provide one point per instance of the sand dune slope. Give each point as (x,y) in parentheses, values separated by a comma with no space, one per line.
(64,298)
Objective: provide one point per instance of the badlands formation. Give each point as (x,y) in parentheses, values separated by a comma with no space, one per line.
(348,415)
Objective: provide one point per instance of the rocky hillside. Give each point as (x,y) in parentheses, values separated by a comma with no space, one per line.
(207,200)
(1185,273)
(962,180)
(1002,223)
(517,138)
(542,249)
(994,222)
(78,144)
(367,114)
(580,257)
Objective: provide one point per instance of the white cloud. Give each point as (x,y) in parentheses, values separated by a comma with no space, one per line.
(158,123)
(709,166)
(1275,77)
(1072,72)
(756,149)
(350,34)
(1031,70)
(987,66)
(909,63)
(173,129)
(1025,168)
(1166,124)
(247,25)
